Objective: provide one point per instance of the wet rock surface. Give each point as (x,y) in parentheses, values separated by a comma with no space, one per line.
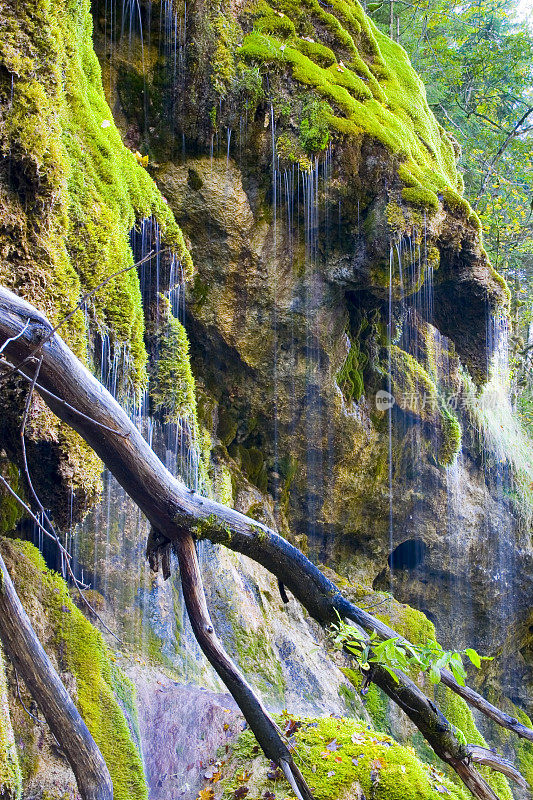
(182,728)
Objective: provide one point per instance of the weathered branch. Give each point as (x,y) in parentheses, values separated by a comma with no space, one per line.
(488,758)
(370,623)
(62,716)
(262,725)
(172,508)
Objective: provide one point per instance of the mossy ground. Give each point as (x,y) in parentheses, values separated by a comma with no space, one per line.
(339,758)
(103,694)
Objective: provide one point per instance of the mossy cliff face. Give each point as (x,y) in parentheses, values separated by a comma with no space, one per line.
(293,391)
(70,192)
(283,84)
(295,146)
(103,694)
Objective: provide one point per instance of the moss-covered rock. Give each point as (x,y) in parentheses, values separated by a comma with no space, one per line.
(70,192)
(340,759)
(172,389)
(103,694)
(415,393)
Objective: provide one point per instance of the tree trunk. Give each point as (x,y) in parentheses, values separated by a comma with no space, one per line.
(29,658)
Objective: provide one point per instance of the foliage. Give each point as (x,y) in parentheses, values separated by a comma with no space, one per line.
(398,654)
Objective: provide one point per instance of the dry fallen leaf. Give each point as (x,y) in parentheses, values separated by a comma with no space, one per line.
(206,794)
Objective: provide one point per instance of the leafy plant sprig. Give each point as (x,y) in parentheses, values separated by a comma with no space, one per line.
(397,653)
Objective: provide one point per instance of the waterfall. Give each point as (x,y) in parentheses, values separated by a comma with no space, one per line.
(111,540)
(127,30)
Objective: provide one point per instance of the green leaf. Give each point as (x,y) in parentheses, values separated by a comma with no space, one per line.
(434,674)
(474,656)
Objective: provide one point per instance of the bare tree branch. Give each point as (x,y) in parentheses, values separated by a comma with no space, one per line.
(501,150)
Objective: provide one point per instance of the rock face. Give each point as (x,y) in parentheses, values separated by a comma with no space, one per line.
(271,343)
(182,727)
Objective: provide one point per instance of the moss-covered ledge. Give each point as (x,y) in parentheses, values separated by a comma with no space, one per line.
(341,759)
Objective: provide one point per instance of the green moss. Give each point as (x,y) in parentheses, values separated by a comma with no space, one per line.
(10,774)
(375,700)
(227,426)
(319,53)
(226,33)
(455,202)
(396,219)
(383,769)
(314,130)
(366,79)
(252,463)
(101,688)
(223,486)
(10,509)
(451,437)
(502,284)
(73,191)
(415,393)
(350,376)
(459,714)
(524,750)
(253,651)
(423,198)
(172,389)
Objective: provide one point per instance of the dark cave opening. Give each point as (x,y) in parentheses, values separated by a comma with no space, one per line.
(408,555)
